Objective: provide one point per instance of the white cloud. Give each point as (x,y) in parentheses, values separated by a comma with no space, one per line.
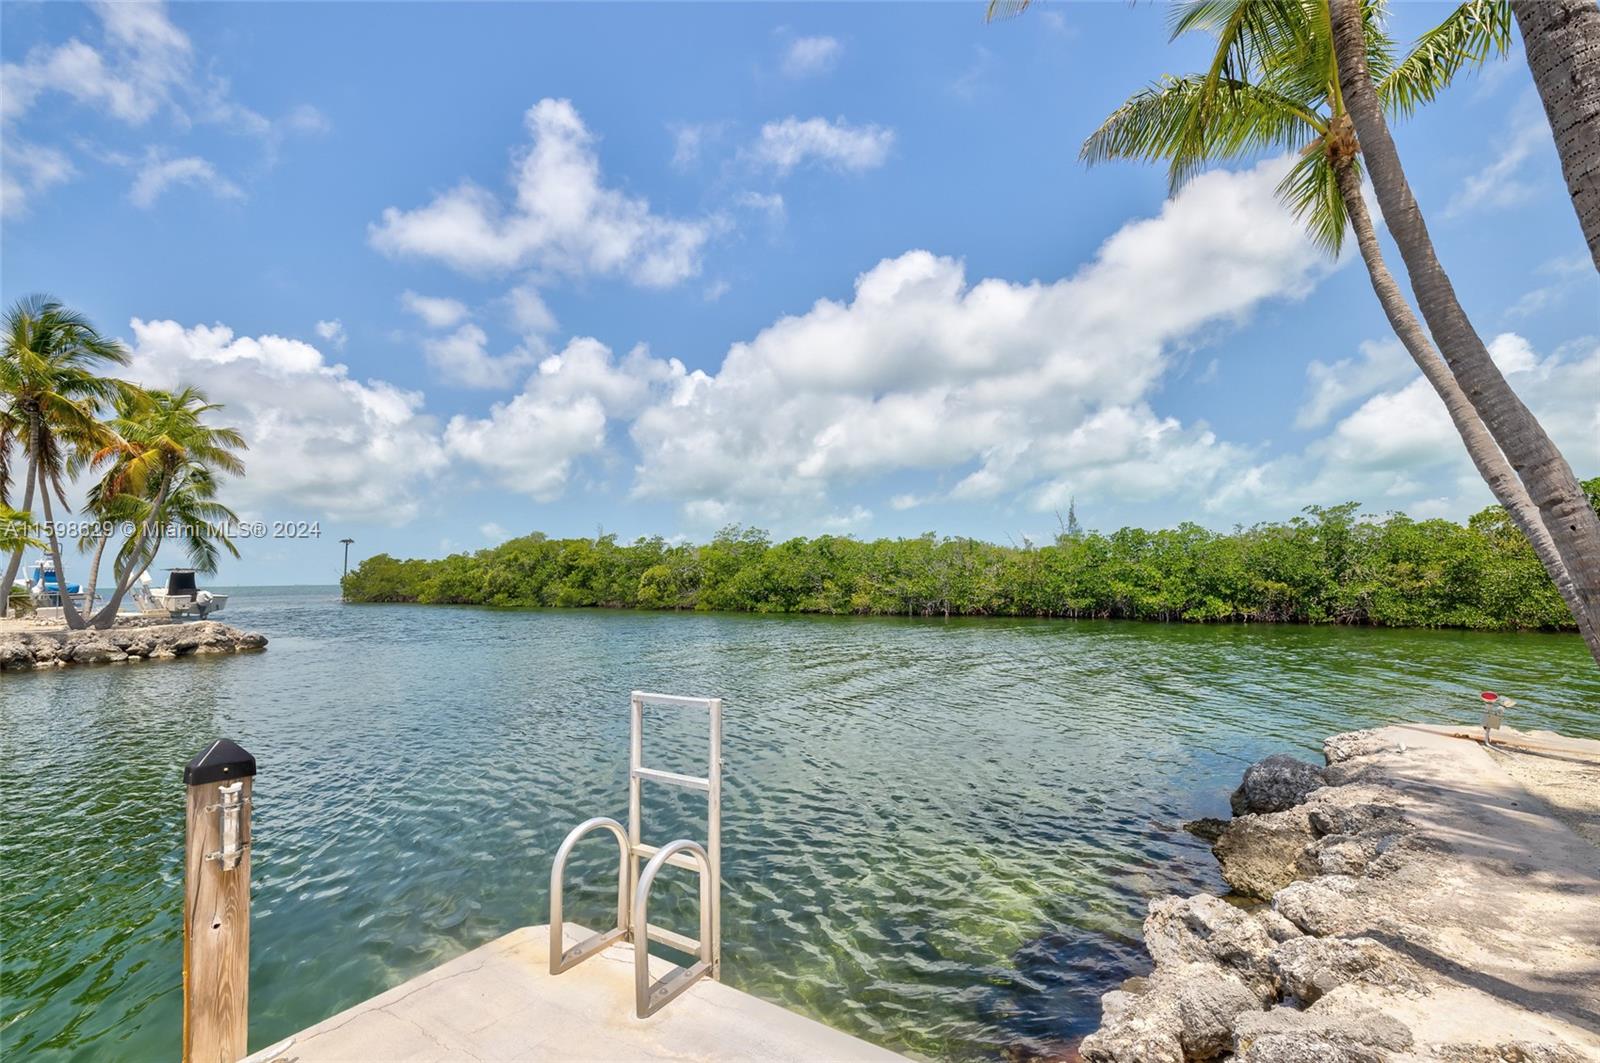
(529,312)
(157,174)
(319,440)
(716,290)
(333,332)
(792,142)
(1029,387)
(1383,363)
(563,218)
(493,532)
(143,65)
(1501,183)
(533,442)
(463,358)
(26,170)
(806,56)
(769,203)
(1393,450)
(435,311)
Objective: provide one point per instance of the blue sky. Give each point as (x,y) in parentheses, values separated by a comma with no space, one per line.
(465,271)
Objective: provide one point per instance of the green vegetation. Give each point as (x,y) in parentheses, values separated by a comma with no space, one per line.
(1327,566)
(159,459)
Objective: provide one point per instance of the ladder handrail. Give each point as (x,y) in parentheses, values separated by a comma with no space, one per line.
(633,885)
(561,958)
(648,998)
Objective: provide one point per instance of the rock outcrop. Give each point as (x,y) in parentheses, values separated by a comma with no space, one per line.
(1378,896)
(57,649)
(1276,784)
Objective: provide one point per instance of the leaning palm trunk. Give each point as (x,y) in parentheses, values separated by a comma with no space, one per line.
(1562,504)
(16,558)
(1562,39)
(94,567)
(1490,462)
(137,561)
(69,608)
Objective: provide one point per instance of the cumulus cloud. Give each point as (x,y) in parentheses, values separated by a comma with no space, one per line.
(319,439)
(563,218)
(792,142)
(806,56)
(435,311)
(333,332)
(533,442)
(463,358)
(1382,364)
(158,174)
(1026,388)
(1395,448)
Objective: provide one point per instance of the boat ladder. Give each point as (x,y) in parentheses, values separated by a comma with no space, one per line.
(633,885)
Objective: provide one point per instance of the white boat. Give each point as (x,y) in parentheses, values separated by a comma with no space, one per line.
(180,597)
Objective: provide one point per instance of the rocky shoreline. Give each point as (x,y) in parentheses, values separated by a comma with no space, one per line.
(1406,901)
(59,648)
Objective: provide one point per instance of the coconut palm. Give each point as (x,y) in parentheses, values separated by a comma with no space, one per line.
(1549,479)
(1273,85)
(166,458)
(53,392)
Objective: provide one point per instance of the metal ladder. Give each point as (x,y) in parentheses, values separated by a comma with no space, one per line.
(633,886)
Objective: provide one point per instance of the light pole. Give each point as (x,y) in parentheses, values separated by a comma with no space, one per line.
(347,543)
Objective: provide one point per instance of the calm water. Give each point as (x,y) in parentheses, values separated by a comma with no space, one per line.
(938,835)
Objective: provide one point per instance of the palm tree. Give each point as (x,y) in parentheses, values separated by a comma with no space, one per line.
(1562,39)
(1573,525)
(53,393)
(166,458)
(1273,85)
(17,532)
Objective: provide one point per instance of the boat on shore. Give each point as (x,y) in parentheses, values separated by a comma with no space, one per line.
(44,591)
(179,598)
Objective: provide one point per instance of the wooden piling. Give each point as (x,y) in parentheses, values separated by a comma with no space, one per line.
(216,904)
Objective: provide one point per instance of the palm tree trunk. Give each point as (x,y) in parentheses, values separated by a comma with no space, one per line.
(69,609)
(1490,462)
(94,568)
(16,558)
(108,613)
(1562,39)
(1562,504)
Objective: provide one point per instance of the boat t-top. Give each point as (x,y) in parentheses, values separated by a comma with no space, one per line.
(180,597)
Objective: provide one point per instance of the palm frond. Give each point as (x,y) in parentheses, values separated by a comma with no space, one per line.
(1473,33)
(1177,122)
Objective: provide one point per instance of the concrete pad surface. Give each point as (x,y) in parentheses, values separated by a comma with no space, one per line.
(499,1002)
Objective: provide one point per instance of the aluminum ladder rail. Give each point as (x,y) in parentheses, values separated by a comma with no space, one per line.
(633,885)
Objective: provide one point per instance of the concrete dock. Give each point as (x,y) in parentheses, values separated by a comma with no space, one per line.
(500,1002)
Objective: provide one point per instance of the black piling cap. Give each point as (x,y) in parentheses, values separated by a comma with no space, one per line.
(222,759)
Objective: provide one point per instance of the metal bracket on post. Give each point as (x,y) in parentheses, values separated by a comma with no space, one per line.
(229,809)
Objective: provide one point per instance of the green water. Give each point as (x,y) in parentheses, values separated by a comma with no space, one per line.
(938,835)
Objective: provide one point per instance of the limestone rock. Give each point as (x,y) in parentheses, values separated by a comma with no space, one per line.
(1275,784)
(15,654)
(1352,744)
(1319,906)
(1261,854)
(1310,967)
(1205,929)
(1208,829)
(1288,1035)
(1186,1013)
